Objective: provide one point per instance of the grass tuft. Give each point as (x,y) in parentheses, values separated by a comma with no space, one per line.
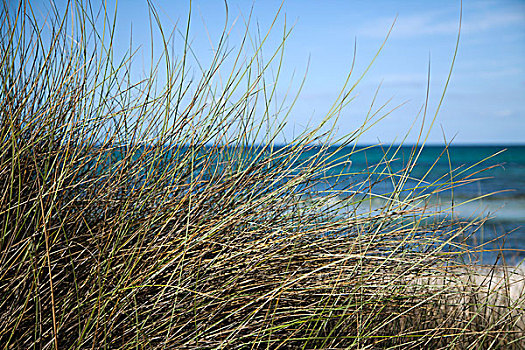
(160,213)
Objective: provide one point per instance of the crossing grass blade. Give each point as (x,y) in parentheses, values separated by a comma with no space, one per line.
(161,213)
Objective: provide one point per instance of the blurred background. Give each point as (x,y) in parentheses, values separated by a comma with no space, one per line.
(484,100)
(482,110)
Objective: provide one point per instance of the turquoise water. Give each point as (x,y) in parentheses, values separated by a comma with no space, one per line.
(496,188)
(490,183)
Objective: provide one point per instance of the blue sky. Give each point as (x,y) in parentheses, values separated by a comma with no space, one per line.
(484,103)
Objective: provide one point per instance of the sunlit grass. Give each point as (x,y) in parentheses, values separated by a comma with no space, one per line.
(160,213)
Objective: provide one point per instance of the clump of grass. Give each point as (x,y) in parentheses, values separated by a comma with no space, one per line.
(148,215)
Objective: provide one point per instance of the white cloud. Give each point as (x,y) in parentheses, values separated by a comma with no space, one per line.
(490,20)
(441,23)
(506,113)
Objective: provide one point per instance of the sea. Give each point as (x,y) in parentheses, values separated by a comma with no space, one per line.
(489,186)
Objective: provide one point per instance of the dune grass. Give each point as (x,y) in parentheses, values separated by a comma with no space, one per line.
(159,213)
